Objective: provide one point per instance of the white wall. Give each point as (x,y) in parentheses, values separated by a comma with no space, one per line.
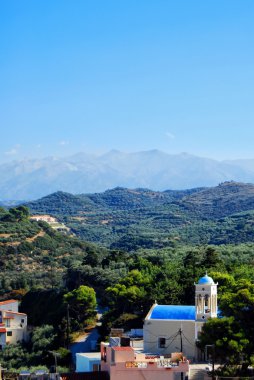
(16,331)
(85,363)
(153,329)
(12,306)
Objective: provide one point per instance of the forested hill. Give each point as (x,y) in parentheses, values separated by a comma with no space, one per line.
(33,254)
(140,218)
(217,202)
(61,203)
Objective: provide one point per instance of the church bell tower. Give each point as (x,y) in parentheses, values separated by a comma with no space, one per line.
(205,299)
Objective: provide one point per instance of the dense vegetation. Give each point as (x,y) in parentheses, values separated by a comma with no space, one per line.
(132,219)
(157,253)
(230,337)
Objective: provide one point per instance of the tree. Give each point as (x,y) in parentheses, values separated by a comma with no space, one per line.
(19,213)
(82,304)
(42,338)
(130,294)
(229,340)
(232,334)
(211,259)
(126,298)
(14,356)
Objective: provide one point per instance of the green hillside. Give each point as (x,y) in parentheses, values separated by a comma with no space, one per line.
(140,218)
(224,200)
(32,254)
(55,275)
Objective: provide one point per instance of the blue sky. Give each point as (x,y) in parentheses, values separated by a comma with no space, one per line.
(95,75)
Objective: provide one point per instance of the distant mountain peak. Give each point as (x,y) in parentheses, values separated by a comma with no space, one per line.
(90,173)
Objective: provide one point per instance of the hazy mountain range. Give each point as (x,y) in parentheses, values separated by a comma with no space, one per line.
(85,173)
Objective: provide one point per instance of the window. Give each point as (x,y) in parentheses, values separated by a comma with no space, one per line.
(162,342)
(22,320)
(96,367)
(7,323)
(9,333)
(104,354)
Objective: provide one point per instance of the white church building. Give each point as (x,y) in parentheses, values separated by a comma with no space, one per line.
(174,328)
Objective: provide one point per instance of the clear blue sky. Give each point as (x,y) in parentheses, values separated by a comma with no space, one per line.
(95,75)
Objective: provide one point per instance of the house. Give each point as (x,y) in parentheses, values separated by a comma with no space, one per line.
(13,325)
(124,363)
(170,328)
(44,218)
(52,221)
(88,362)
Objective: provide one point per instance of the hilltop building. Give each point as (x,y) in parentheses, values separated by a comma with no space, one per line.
(13,325)
(171,328)
(44,218)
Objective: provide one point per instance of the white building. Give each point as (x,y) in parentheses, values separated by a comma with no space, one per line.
(88,362)
(171,328)
(13,325)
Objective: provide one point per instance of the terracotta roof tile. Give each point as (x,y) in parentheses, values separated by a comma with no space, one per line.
(12,312)
(7,301)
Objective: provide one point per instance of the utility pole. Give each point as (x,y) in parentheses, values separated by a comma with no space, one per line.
(213,358)
(213,347)
(55,354)
(68,326)
(181,339)
(181,345)
(55,362)
(1,369)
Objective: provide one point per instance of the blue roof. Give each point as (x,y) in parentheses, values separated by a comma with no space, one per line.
(206,280)
(174,312)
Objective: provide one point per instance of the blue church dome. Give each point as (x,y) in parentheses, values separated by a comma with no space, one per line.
(173,312)
(206,280)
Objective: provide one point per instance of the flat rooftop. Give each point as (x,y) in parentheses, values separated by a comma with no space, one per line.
(90,355)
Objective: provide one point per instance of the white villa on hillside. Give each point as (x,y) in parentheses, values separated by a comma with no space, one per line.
(13,325)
